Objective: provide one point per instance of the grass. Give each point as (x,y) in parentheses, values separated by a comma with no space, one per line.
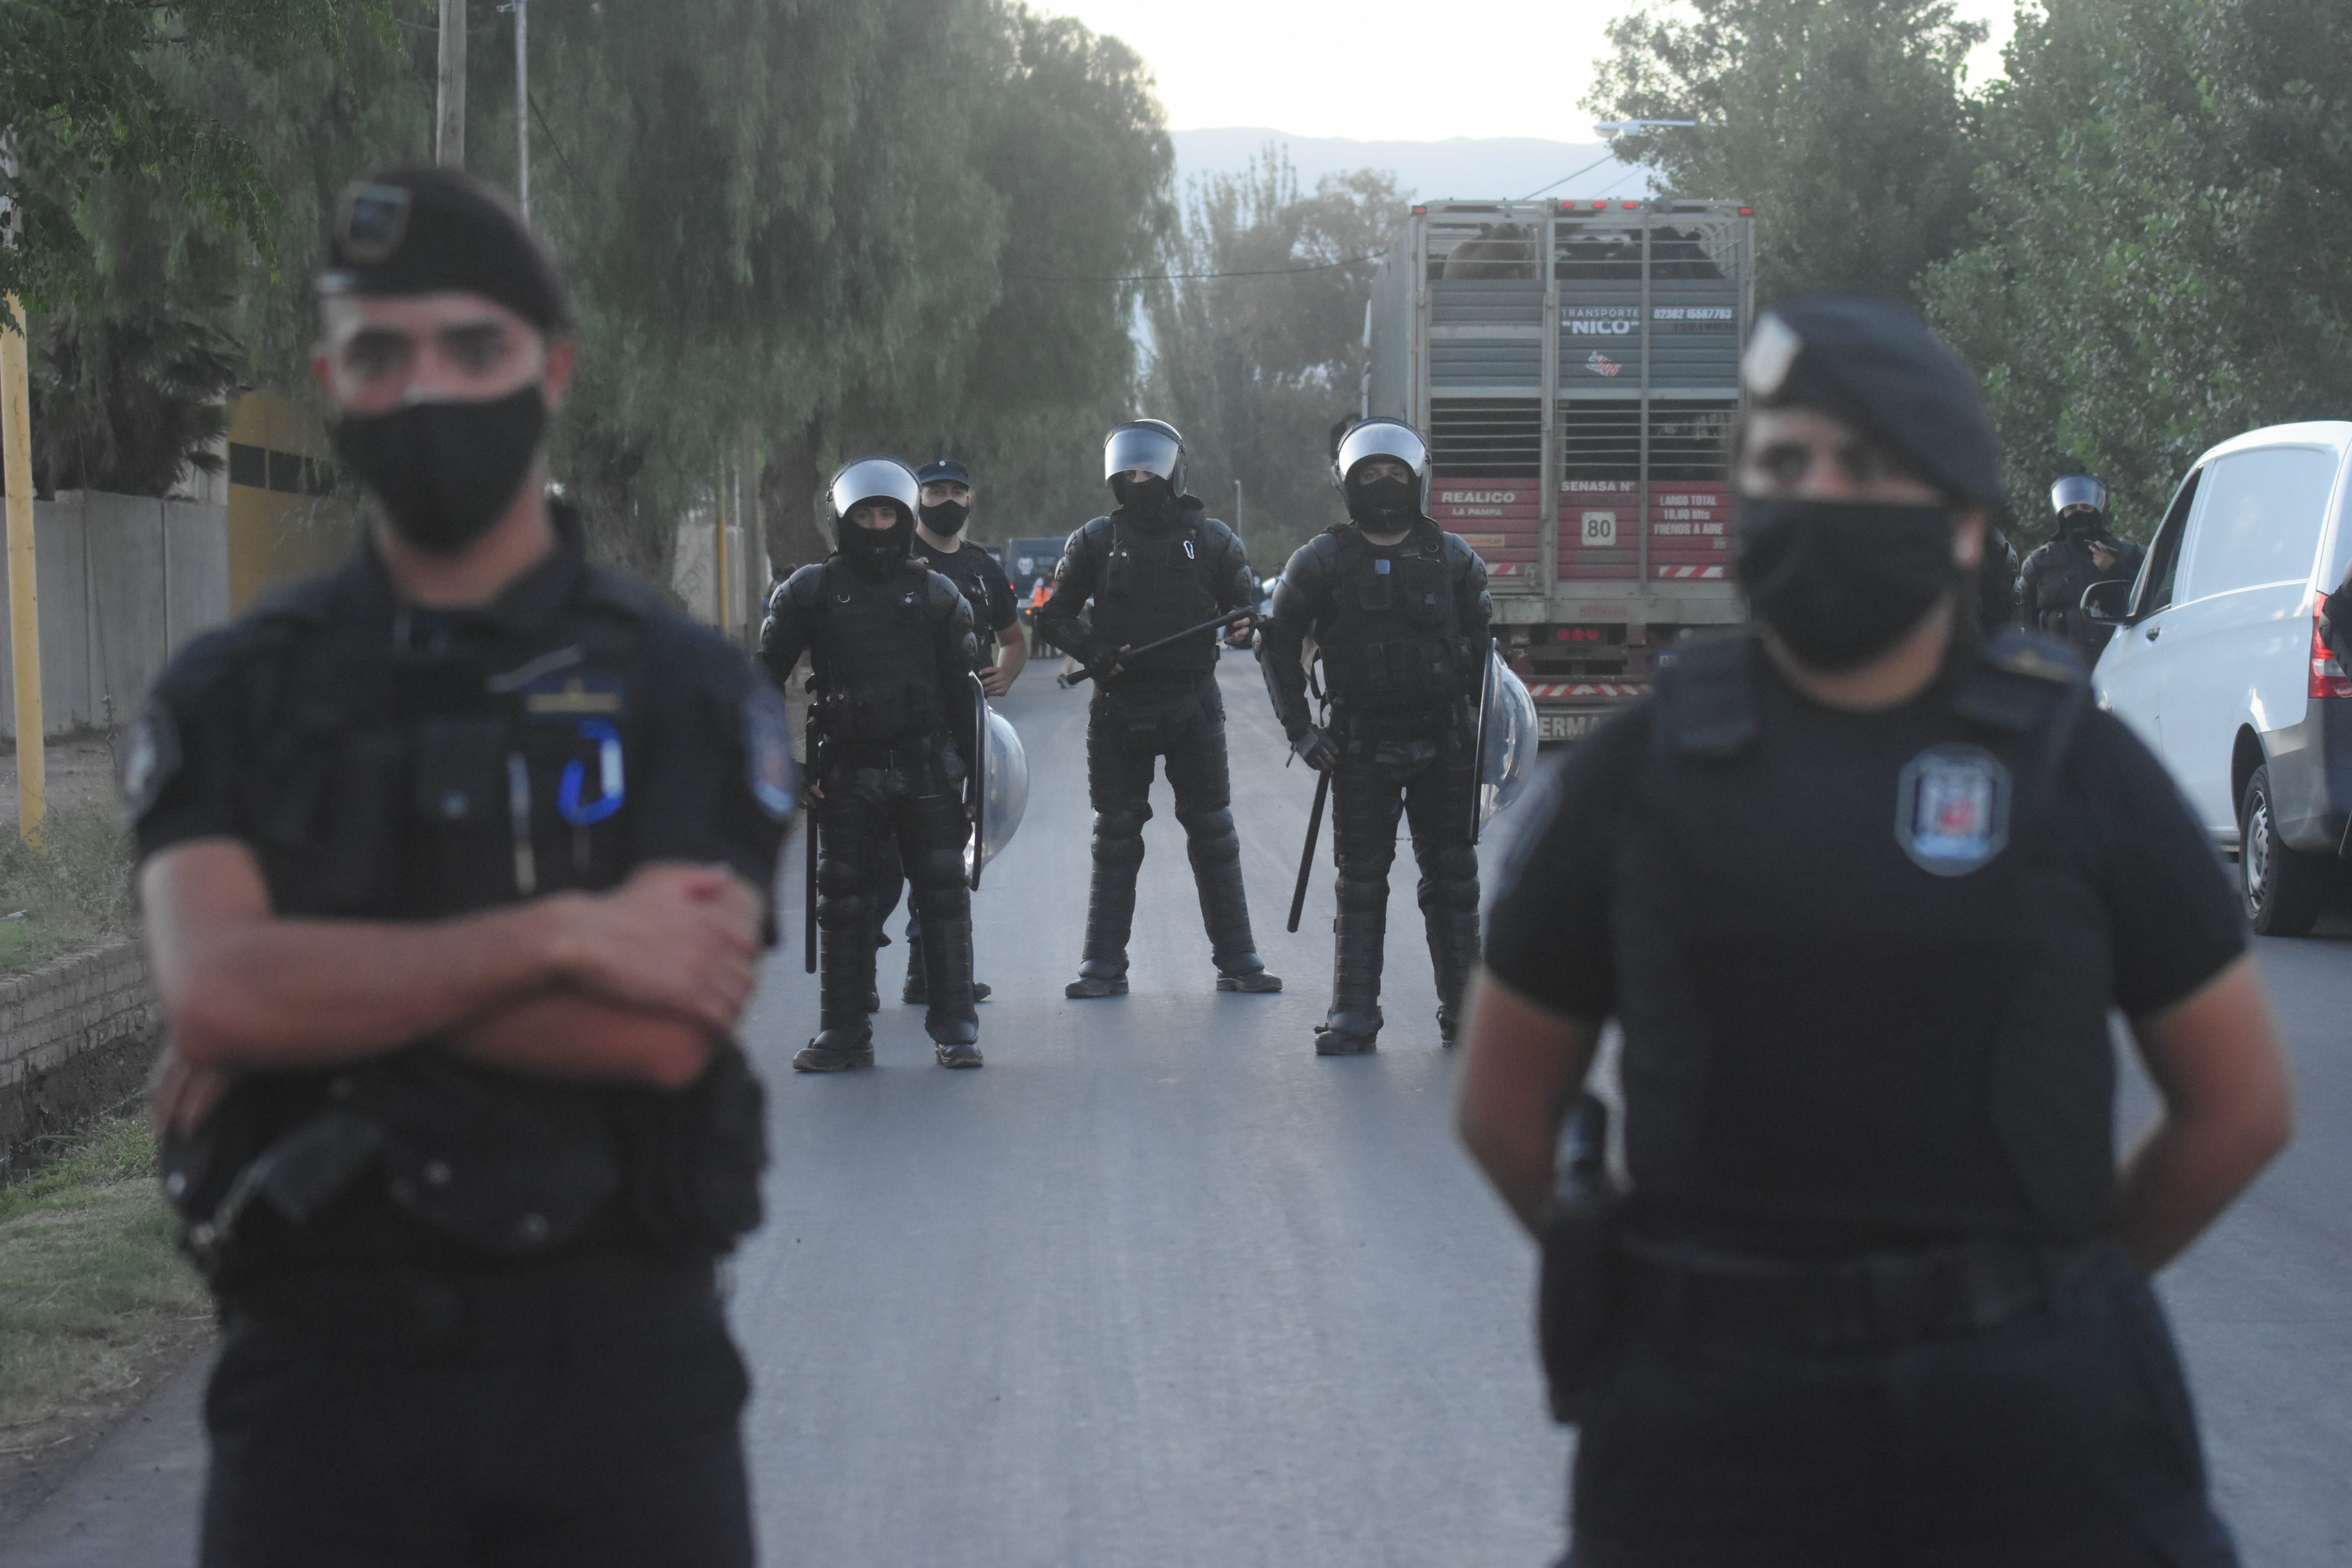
(73,892)
(91,1289)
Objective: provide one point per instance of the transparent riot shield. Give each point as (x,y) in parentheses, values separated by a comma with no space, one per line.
(1507,741)
(999,792)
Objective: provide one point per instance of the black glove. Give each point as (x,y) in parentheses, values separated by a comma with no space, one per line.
(1316,747)
(1100,657)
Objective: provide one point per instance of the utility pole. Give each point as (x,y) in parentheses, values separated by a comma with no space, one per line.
(24,598)
(1237,504)
(719,594)
(450,120)
(755,543)
(522,107)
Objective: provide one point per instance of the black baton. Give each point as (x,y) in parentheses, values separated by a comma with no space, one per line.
(809,942)
(1307,857)
(1228,618)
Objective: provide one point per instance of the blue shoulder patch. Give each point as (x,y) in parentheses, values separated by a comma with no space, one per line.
(769,769)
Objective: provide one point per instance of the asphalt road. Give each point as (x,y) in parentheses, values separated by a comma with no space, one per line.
(1160,1287)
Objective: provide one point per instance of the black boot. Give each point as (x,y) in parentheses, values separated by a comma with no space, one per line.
(1110,915)
(1354,1023)
(1452,950)
(1215,849)
(844,983)
(950,1020)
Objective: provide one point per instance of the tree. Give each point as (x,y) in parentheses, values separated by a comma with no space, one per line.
(1256,364)
(82,98)
(1845,121)
(2163,254)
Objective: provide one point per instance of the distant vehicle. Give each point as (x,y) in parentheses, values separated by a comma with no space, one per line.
(1575,361)
(1029,561)
(2218,663)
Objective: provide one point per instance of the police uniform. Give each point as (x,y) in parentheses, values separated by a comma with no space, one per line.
(1404,631)
(1870,1307)
(468,1310)
(1151,572)
(890,642)
(989,594)
(2050,586)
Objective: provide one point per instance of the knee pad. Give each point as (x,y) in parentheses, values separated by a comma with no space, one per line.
(1118,836)
(849,909)
(1449,879)
(939,904)
(936,869)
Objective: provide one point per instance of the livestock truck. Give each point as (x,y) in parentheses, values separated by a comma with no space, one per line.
(1575,367)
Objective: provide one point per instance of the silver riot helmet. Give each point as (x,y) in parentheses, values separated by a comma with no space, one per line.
(1145,446)
(2078,491)
(875,479)
(1382,503)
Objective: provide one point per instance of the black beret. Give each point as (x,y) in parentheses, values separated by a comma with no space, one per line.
(1876,366)
(944,471)
(426,230)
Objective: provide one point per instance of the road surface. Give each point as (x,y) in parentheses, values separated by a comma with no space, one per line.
(1160,1287)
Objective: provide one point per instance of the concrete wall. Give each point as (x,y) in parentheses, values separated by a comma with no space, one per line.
(122,581)
(77,1035)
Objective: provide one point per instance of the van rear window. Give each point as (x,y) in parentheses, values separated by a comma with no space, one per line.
(2261,519)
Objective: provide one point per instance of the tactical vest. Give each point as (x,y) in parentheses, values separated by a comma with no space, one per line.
(1861,989)
(1155,583)
(400,787)
(875,659)
(1393,646)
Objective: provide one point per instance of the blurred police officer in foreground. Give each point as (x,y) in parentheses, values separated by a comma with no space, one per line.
(454,868)
(1152,568)
(1399,611)
(2080,551)
(940,524)
(1860,892)
(890,642)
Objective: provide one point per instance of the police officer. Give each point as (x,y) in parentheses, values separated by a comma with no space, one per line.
(1860,892)
(2080,551)
(454,865)
(1399,611)
(939,523)
(891,644)
(1154,567)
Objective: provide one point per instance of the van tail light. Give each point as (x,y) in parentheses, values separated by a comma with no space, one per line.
(2327,676)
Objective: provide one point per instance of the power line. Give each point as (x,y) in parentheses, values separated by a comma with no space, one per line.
(1564,179)
(1183,277)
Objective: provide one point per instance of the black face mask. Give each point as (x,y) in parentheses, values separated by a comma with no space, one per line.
(875,553)
(1840,583)
(2081,527)
(443,471)
(947,518)
(1153,497)
(1384,505)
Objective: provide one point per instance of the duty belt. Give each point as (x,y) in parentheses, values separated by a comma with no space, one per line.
(1871,1301)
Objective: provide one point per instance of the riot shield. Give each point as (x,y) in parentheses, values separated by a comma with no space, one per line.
(1507,741)
(1000,792)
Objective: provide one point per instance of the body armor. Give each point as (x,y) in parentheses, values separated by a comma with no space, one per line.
(1394,645)
(1960,963)
(1155,583)
(458,765)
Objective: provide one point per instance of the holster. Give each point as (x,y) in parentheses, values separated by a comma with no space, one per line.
(1580,1291)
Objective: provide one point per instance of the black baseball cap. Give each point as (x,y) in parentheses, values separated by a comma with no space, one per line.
(421,229)
(944,471)
(1878,367)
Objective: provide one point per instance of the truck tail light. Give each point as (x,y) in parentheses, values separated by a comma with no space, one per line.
(2327,676)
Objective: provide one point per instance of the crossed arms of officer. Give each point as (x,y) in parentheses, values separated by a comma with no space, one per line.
(631,984)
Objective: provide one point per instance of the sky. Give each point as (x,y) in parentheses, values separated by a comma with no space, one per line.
(1387,69)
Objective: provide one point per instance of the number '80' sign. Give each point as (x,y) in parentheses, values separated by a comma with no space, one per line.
(1599,530)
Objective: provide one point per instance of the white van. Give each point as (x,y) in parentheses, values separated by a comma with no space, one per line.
(2216,659)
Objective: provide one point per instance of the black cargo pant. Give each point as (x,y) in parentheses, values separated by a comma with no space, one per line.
(2061,1439)
(1420,767)
(577,1414)
(1127,731)
(902,814)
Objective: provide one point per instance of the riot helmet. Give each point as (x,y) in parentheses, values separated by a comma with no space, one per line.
(1150,446)
(875,481)
(1385,505)
(2080,504)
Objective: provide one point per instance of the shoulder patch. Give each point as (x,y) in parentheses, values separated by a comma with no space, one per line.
(769,769)
(150,757)
(1951,810)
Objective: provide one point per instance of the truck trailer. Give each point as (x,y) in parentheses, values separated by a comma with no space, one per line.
(1575,366)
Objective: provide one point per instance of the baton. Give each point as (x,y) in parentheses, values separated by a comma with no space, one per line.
(1307,857)
(1228,618)
(809,957)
